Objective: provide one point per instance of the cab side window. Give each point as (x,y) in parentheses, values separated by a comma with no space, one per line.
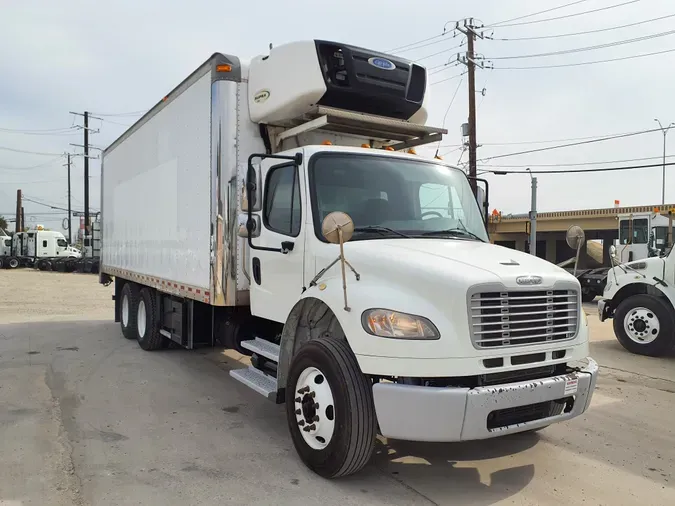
(281,211)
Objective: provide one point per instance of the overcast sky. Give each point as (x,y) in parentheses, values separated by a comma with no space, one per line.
(122,56)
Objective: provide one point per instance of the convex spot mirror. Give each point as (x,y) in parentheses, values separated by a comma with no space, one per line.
(242,229)
(334,223)
(253,180)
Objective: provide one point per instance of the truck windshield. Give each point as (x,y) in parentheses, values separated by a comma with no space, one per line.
(640,231)
(62,243)
(407,197)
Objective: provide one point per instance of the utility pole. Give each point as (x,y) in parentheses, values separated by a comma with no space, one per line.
(533,215)
(19,214)
(663,175)
(86,180)
(85,146)
(70,221)
(469,29)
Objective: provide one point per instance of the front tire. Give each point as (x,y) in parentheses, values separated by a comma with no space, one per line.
(329,408)
(13,263)
(644,325)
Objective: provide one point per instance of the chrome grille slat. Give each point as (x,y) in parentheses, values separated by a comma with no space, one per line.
(511,330)
(545,304)
(574,310)
(502,319)
(526,321)
(523,298)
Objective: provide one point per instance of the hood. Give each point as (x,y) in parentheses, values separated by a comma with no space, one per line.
(479,261)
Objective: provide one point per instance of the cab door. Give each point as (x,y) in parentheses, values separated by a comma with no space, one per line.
(277,270)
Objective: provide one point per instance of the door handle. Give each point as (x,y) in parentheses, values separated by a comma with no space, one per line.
(287,247)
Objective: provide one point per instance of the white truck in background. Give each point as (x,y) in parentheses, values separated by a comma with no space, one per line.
(34,247)
(272,206)
(639,293)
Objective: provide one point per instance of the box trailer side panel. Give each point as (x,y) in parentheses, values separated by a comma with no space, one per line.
(156,193)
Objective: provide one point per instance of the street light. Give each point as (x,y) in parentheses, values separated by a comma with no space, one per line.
(663,183)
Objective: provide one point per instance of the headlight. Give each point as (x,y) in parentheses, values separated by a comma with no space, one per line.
(387,323)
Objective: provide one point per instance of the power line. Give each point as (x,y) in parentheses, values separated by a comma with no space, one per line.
(408,47)
(571,34)
(116,123)
(601,139)
(45,164)
(604,162)
(120,114)
(585,63)
(447,79)
(46,205)
(567,16)
(445,116)
(603,169)
(536,13)
(587,48)
(10,183)
(549,141)
(55,131)
(29,152)
(439,52)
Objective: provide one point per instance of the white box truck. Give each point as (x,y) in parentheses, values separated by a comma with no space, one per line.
(273,206)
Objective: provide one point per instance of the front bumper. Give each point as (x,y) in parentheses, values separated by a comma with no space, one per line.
(417,413)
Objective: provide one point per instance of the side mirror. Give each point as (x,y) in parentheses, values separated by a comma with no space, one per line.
(243,226)
(612,251)
(254,183)
(337,228)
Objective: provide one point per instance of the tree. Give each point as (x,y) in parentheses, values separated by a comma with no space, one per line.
(3,223)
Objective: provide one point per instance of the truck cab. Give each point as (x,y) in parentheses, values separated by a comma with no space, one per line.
(37,243)
(642,235)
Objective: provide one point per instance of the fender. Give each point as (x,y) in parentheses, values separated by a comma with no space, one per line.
(317,318)
(641,287)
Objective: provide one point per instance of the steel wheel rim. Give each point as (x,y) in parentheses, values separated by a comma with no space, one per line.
(13,263)
(314,408)
(141,319)
(125,311)
(642,326)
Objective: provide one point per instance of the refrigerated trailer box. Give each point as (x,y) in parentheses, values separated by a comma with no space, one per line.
(276,207)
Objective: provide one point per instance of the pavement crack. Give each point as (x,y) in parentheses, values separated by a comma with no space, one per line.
(63,407)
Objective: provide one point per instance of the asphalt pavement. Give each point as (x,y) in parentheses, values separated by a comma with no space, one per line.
(88,418)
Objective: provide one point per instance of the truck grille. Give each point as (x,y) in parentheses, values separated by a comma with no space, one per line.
(504,319)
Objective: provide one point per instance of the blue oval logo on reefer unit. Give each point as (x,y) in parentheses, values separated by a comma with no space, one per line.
(381,63)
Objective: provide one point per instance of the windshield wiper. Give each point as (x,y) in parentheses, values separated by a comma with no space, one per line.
(453,231)
(380,230)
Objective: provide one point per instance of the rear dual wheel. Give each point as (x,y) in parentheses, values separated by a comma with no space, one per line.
(147,321)
(138,316)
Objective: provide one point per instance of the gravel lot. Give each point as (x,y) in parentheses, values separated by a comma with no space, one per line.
(86,417)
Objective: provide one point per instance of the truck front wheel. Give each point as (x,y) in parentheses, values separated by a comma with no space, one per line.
(13,263)
(644,325)
(330,410)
